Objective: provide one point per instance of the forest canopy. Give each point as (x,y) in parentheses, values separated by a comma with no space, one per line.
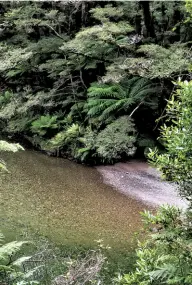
(71,70)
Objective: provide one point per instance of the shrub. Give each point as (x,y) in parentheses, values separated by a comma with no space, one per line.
(116,140)
(165,258)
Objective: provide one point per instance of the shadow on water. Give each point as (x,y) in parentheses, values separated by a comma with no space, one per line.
(65,202)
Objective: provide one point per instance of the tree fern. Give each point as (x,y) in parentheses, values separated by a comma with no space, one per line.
(107,99)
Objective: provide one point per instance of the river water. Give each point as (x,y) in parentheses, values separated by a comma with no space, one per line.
(66,202)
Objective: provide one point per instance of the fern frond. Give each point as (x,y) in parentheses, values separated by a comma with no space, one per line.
(107,99)
(112,109)
(163,273)
(21,260)
(10,249)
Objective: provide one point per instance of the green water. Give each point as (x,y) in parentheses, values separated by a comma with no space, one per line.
(66,202)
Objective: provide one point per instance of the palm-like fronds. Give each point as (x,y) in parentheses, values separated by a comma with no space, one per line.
(105,100)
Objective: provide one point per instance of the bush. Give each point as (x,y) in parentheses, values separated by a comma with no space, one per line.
(165,258)
(116,140)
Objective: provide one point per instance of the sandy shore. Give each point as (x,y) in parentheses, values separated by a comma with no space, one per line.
(138,180)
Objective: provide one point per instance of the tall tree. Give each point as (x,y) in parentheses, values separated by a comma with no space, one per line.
(148,19)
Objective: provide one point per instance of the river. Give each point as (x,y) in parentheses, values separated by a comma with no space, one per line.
(66,202)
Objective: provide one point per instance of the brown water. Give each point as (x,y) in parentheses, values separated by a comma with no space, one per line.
(66,202)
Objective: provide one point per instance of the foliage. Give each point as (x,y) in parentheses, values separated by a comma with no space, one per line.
(110,144)
(105,100)
(5,98)
(175,163)
(11,265)
(87,151)
(49,265)
(188,6)
(165,258)
(116,140)
(41,125)
(5,146)
(76,64)
(13,147)
(97,43)
(157,62)
(66,139)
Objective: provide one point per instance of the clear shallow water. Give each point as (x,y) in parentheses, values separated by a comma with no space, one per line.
(138,180)
(66,202)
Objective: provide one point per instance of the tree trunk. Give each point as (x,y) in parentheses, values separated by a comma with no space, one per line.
(138,24)
(164,22)
(176,20)
(148,19)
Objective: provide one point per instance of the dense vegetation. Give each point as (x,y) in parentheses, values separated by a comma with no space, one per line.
(70,69)
(166,257)
(88,80)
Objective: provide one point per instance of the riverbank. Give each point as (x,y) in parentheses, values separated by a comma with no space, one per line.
(137,180)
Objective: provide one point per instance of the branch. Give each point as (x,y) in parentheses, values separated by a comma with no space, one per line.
(58,35)
(135,109)
(82,81)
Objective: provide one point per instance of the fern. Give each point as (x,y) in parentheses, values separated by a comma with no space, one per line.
(107,99)
(72,132)
(5,98)
(163,273)
(10,249)
(41,125)
(11,265)
(8,252)
(88,150)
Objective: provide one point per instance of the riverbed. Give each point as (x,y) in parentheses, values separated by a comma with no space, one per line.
(66,202)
